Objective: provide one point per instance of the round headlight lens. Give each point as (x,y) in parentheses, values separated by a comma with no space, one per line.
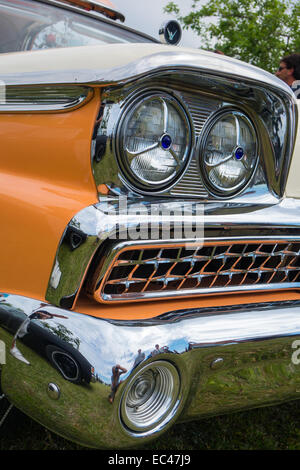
(154,141)
(229,153)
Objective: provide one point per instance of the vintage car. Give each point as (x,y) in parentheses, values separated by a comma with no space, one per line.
(150,227)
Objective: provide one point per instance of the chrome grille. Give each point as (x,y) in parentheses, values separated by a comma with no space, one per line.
(141,272)
(200,110)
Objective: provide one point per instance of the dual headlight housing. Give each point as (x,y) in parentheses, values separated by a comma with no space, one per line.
(155,142)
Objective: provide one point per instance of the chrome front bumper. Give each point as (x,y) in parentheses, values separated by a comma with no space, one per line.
(227,358)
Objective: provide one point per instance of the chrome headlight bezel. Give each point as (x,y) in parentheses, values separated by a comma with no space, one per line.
(213,188)
(159,403)
(138,183)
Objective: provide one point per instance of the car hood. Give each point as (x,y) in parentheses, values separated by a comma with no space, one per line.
(112,63)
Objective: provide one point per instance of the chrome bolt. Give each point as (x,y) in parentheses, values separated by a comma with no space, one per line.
(217,363)
(53,391)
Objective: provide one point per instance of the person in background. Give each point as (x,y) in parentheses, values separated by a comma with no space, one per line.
(289,72)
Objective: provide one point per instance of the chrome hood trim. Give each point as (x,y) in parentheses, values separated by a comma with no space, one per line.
(103,65)
(45,99)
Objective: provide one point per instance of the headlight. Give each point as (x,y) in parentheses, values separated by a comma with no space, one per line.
(228,155)
(154,140)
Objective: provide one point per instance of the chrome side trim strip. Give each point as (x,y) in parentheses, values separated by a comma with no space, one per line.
(33,99)
(253,345)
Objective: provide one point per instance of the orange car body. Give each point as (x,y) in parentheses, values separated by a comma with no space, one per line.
(151,327)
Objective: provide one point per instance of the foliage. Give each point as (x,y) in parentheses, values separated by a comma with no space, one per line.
(63,333)
(256,31)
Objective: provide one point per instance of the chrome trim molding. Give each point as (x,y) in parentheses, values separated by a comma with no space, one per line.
(167,59)
(96,225)
(255,343)
(20,99)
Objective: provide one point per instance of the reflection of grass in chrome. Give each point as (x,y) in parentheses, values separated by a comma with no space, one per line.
(250,374)
(85,407)
(72,267)
(272,428)
(277,427)
(2,352)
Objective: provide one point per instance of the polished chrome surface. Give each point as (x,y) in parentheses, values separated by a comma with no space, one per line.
(99,227)
(160,60)
(217,363)
(53,391)
(104,149)
(65,364)
(201,109)
(255,341)
(45,98)
(204,97)
(151,397)
(140,272)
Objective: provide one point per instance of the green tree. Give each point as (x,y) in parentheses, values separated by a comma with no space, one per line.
(256,31)
(63,333)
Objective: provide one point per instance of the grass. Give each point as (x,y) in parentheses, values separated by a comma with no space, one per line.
(272,428)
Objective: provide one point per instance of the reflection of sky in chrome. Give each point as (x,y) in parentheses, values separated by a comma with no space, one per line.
(104,344)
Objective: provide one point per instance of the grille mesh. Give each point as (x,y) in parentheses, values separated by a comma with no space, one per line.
(200,110)
(140,272)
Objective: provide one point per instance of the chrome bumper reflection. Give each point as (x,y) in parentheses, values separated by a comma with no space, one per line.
(227,359)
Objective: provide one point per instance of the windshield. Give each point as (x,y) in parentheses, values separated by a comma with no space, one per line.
(31,25)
